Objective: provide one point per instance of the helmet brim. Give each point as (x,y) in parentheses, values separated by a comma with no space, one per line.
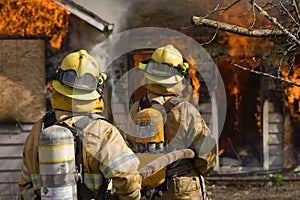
(74,93)
(164,80)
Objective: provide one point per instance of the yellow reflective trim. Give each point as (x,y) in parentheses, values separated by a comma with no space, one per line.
(36,181)
(108,171)
(93,181)
(25,173)
(119,163)
(55,146)
(56,153)
(56,161)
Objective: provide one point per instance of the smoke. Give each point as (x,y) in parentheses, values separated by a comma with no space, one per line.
(112,11)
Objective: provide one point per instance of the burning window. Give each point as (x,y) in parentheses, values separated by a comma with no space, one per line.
(34,18)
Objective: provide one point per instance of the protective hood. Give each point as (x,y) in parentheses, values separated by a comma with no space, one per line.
(59,101)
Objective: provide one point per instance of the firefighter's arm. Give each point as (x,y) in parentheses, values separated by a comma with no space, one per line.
(120,164)
(203,144)
(25,180)
(206,163)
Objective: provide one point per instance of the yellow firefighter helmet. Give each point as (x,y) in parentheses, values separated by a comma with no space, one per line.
(166,66)
(78,76)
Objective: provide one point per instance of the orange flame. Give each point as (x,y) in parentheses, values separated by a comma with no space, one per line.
(50,87)
(194,79)
(292,91)
(220,152)
(257,115)
(241,15)
(235,91)
(34,18)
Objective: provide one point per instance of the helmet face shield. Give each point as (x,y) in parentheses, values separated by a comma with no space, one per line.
(164,70)
(78,77)
(87,82)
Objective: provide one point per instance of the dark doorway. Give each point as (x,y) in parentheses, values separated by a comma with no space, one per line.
(240,142)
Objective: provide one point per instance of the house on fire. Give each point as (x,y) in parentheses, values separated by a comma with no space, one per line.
(262,114)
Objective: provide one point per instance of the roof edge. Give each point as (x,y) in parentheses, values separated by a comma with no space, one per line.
(85,15)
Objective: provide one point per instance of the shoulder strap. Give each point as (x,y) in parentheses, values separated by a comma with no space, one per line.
(48,119)
(83,122)
(168,105)
(172,102)
(79,126)
(144,102)
(76,128)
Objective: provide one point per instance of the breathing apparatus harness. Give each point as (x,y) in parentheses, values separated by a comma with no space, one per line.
(157,182)
(179,161)
(83,193)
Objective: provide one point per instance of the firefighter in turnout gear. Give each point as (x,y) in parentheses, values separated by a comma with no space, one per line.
(184,127)
(101,153)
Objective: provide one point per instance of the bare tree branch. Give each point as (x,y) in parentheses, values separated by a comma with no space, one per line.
(254,17)
(289,9)
(295,5)
(275,22)
(266,74)
(236,29)
(289,13)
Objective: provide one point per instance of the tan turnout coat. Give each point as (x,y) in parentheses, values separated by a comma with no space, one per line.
(185,128)
(103,147)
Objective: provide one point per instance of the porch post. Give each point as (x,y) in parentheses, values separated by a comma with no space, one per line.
(266,135)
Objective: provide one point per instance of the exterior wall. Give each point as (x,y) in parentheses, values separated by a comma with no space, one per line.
(208,103)
(120,97)
(22,80)
(273,123)
(275,137)
(22,84)
(12,139)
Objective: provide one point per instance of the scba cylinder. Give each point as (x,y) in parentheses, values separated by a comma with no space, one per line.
(149,131)
(57,164)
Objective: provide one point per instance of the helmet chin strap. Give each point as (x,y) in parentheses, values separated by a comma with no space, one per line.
(100,91)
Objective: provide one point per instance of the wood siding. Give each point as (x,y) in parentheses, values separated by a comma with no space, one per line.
(22,102)
(275,120)
(12,139)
